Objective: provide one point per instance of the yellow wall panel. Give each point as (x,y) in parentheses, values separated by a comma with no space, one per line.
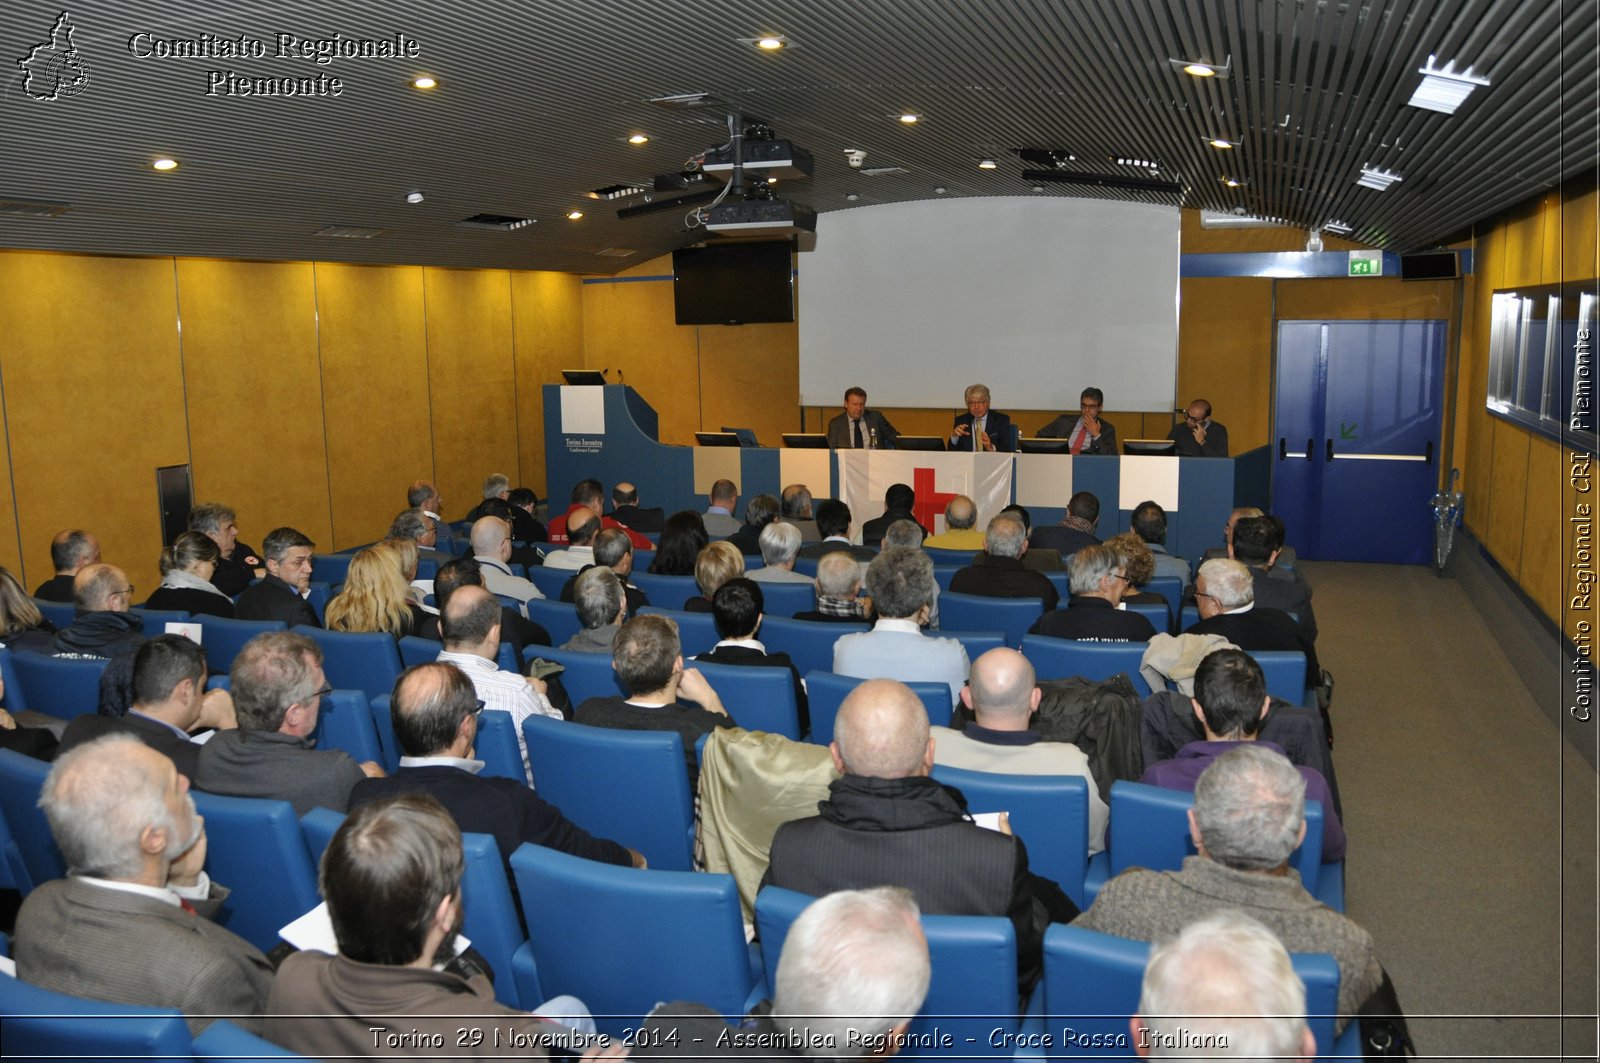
(1579,235)
(255,394)
(94,402)
(375,388)
(1523,234)
(750,378)
(629,328)
(472,381)
(1543,526)
(1225,344)
(547,332)
(1508,473)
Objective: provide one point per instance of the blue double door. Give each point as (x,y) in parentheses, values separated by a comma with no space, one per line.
(1357,435)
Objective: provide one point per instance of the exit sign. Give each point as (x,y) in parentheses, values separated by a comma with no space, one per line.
(1366,263)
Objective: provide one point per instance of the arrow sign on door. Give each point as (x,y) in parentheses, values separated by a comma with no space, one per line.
(1347,429)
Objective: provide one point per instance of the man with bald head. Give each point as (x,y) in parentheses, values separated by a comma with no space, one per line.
(491,549)
(886,822)
(626,510)
(103,626)
(582,527)
(1003,695)
(69,551)
(960,527)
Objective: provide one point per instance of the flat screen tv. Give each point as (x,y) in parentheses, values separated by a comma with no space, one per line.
(736,283)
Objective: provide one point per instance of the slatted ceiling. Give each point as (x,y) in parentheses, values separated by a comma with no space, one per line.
(536,100)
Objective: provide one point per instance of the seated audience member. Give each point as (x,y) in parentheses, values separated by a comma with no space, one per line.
(888,823)
(496,488)
(1248,818)
(588,494)
(960,524)
(374,598)
(908,533)
(718,520)
(70,552)
(838,586)
(682,539)
(464,572)
(1003,696)
(1038,560)
(122,926)
(22,626)
(278,688)
(407,559)
(1002,574)
(625,508)
(614,550)
(598,597)
(859,428)
(1085,432)
(1224,980)
(103,627)
(739,609)
(424,495)
(759,512)
(796,510)
(981,428)
(170,702)
(391,878)
(1230,701)
(898,503)
(780,545)
(1150,524)
(491,549)
(1199,436)
(1076,530)
(1257,542)
(718,563)
(435,711)
(1225,594)
(854,973)
(525,527)
(833,522)
(1092,614)
(1286,555)
(281,594)
(582,527)
(660,694)
(239,565)
(901,585)
(186,570)
(422,530)
(470,621)
(1138,564)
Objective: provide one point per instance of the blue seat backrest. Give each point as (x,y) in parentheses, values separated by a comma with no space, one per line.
(587,675)
(12,697)
(345,722)
(365,661)
(153,622)
(427,569)
(222,639)
(415,650)
(256,848)
(330,568)
(758,699)
(1188,618)
(958,558)
(944,575)
(826,691)
(318,827)
(492,922)
(644,802)
(550,580)
(697,632)
(681,932)
(558,618)
(61,614)
(1012,617)
(666,592)
(976,643)
(1285,671)
(318,595)
(21,780)
(383,725)
(1170,588)
(39,1024)
(809,643)
(497,747)
(1050,813)
(786,599)
(807,566)
(63,687)
(1062,582)
(223,1042)
(1155,612)
(1063,658)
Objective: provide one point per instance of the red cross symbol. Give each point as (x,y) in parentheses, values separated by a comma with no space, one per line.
(930,502)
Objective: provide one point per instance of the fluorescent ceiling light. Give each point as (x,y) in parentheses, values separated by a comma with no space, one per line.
(1377,180)
(1443,89)
(1338,228)
(1196,68)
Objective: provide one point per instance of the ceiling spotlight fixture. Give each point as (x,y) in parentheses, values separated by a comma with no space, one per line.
(424,82)
(772,180)
(772,43)
(1220,144)
(909,119)
(940,189)
(1377,180)
(1199,68)
(574,215)
(414,197)
(164,164)
(1232,182)
(851,196)
(1313,242)
(1338,228)
(638,138)
(1038,188)
(987,164)
(1443,89)
(1142,164)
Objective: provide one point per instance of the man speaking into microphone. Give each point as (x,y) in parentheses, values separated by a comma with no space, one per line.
(981,428)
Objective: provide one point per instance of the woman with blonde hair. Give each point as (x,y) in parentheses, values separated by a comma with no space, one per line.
(186,570)
(718,563)
(22,626)
(374,597)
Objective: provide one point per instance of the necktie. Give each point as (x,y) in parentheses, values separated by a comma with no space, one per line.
(977,433)
(1079,434)
(859,444)
(186,906)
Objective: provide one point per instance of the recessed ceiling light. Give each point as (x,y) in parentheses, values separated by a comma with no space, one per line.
(1219,143)
(424,81)
(574,215)
(414,197)
(1199,68)
(851,196)
(1443,89)
(987,164)
(1141,164)
(1377,180)
(771,44)
(165,164)
(1038,188)
(1232,182)
(638,138)
(940,189)
(909,119)
(772,180)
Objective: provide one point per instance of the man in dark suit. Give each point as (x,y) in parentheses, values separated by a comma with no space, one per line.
(423,495)
(833,523)
(1199,436)
(281,593)
(739,607)
(102,625)
(1086,432)
(897,502)
(169,701)
(123,926)
(1002,574)
(1076,530)
(887,823)
(625,508)
(981,428)
(421,529)
(1226,597)
(69,551)
(859,428)
(1098,585)
(614,550)
(1256,542)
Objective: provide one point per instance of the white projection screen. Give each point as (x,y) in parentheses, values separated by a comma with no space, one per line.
(1036,297)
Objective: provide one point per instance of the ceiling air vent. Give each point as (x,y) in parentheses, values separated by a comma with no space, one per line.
(502,222)
(350,232)
(32,208)
(614,192)
(617,252)
(881,171)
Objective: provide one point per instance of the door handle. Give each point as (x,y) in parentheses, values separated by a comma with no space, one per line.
(1283,448)
(1427,454)
(1330,449)
(1309,444)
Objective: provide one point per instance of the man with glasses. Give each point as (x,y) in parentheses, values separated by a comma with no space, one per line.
(278,686)
(981,428)
(1085,432)
(103,626)
(1199,436)
(1094,613)
(281,594)
(1224,592)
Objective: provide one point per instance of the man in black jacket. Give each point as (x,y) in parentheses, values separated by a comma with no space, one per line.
(281,593)
(1098,584)
(1002,573)
(103,627)
(897,505)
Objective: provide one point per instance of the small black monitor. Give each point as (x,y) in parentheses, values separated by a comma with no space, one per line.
(584,376)
(1430,266)
(1149,447)
(1040,445)
(716,439)
(737,283)
(919,443)
(747,436)
(805,440)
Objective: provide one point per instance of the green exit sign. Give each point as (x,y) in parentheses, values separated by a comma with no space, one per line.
(1366,263)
